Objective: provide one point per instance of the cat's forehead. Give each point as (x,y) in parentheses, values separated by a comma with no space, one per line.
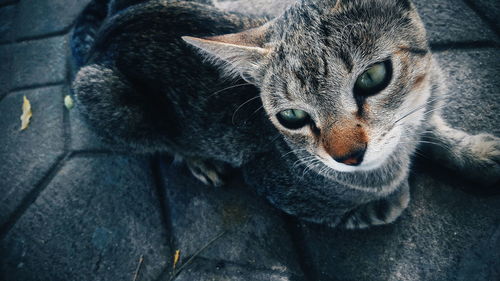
(316,49)
(352,22)
(309,37)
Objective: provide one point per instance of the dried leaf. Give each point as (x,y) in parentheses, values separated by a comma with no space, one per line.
(177,256)
(136,274)
(25,118)
(68,102)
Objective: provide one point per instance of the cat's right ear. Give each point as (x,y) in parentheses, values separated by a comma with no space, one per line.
(239,53)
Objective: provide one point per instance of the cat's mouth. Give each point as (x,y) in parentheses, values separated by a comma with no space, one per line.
(342,167)
(373,157)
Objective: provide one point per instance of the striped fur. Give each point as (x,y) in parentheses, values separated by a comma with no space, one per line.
(144,88)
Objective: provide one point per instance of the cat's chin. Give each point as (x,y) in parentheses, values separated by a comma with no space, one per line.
(368,166)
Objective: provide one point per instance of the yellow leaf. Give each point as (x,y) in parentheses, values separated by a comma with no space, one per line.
(177,256)
(68,102)
(25,118)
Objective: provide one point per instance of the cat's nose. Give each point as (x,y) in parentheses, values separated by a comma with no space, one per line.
(354,158)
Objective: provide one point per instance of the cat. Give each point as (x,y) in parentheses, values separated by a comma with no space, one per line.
(321,108)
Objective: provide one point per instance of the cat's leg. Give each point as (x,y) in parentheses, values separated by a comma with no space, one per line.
(208,172)
(476,157)
(378,212)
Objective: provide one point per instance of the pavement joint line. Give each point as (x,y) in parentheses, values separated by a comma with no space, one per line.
(7,3)
(66,118)
(31,197)
(66,126)
(298,245)
(160,190)
(36,86)
(98,153)
(48,35)
(31,87)
(2,96)
(481,15)
(7,42)
(242,265)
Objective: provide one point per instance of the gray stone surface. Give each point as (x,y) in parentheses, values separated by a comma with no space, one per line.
(6,2)
(482,261)
(71,210)
(7,15)
(473,82)
(490,11)
(94,227)
(449,21)
(37,18)
(203,269)
(440,228)
(39,62)
(27,156)
(82,136)
(254,233)
(5,69)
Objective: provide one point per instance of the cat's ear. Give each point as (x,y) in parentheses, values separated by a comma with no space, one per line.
(239,53)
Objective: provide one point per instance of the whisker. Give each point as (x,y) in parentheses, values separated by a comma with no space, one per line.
(228,88)
(303,161)
(308,168)
(253,113)
(293,151)
(241,106)
(418,108)
(442,145)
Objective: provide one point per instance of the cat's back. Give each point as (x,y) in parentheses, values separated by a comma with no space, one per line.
(163,81)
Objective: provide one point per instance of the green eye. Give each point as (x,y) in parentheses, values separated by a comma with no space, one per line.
(293,118)
(373,80)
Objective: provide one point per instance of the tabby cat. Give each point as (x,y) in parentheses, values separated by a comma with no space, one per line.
(322,107)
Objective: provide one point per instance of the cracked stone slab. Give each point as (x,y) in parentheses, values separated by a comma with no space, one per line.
(39,62)
(254,233)
(449,21)
(7,14)
(28,155)
(37,18)
(473,99)
(92,222)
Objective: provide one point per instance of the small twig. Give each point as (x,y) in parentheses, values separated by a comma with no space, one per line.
(196,254)
(136,274)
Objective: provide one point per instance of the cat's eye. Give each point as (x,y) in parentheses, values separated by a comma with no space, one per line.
(374,79)
(293,118)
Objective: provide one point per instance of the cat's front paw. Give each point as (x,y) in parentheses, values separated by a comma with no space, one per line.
(379,212)
(483,163)
(210,173)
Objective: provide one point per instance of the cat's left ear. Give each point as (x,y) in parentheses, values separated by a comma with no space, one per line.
(239,53)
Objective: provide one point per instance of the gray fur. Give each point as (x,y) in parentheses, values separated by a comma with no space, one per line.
(146,89)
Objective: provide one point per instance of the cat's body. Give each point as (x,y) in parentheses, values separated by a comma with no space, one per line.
(148,90)
(174,102)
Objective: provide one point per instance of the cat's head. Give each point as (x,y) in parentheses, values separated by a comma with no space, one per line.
(336,77)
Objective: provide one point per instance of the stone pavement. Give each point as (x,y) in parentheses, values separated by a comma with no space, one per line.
(73,210)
